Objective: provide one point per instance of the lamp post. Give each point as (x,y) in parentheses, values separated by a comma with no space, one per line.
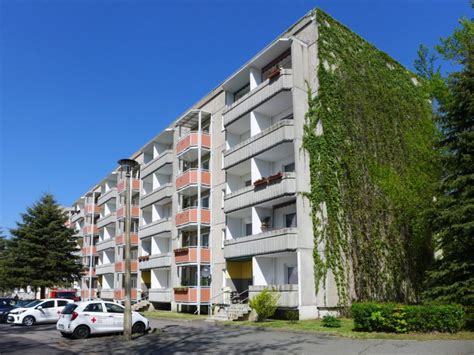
(127,166)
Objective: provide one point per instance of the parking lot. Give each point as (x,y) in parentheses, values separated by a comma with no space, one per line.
(178,337)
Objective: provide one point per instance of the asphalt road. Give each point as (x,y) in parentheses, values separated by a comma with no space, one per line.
(177,337)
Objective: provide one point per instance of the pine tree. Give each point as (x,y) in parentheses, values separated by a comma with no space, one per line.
(41,250)
(4,282)
(452,276)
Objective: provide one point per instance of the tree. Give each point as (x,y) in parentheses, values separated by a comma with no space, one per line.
(451,278)
(41,250)
(4,282)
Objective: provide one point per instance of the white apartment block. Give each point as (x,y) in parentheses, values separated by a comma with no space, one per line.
(217,203)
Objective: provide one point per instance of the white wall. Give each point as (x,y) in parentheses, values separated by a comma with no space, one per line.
(258,122)
(160,245)
(272,270)
(108,281)
(280,213)
(160,278)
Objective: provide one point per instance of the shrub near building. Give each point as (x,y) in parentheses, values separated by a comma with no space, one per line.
(395,318)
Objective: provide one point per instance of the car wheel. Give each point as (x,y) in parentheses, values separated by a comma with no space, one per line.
(29,321)
(138,328)
(81,332)
(66,335)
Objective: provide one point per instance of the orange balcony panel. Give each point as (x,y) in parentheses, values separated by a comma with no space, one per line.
(120,239)
(85,293)
(189,255)
(190,216)
(189,294)
(135,185)
(87,250)
(119,294)
(120,266)
(86,273)
(90,229)
(190,177)
(135,211)
(91,208)
(191,140)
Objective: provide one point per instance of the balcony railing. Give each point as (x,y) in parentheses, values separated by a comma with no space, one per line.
(105,269)
(119,294)
(110,218)
(134,211)
(288,294)
(162,194)
(190,255)
(191,141)
(190,178)
(154,261)
(120,266)
(280,132)
(106,196)
(105,244)
(89,273)
(86,230)
(161,226)
(189,294)
(77,216)
(91,209)
(120,239)
(86,251)
(162,295)
(190,216)
(85,293)
(165,157)
(263,92)
(134,184)
(107,293)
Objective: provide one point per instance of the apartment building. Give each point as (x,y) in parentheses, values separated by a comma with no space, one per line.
(217,202)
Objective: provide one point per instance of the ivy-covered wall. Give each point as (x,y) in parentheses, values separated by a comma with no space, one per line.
(369,134)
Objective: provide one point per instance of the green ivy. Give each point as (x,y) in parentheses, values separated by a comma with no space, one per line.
(369,134)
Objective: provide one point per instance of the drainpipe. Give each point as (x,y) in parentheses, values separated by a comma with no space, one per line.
(91,245)
(199,214)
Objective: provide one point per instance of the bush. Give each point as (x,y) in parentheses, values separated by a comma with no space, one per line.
(291,316)
(265,304)
(331,322)
(389,317)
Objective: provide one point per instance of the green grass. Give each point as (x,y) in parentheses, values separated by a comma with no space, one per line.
(173,315)
(345,330)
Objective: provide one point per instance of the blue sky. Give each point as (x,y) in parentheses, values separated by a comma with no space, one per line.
(86,82)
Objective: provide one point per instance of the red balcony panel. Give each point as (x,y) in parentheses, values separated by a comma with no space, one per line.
(85,293)
(189,294)
(191,140)
(190,216)
(86,273)
(87,250)
(91,208)
(135,212)
(120,266)
(90,229)
(119,294)
(189,255)
(120,239)
(135,185)
(190,177)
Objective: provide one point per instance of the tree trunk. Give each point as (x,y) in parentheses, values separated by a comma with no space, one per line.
(42,292)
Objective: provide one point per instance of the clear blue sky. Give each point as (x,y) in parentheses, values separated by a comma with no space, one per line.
(86,82)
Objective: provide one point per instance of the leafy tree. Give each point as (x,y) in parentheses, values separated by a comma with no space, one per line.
(4,282)
(452,277)
(41,250)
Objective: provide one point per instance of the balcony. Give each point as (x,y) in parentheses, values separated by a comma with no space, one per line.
(162,194)
(86,251)
(86,293)
(280,132)
(112,193)
(188,294)
(107,294)
(105,244)
(119,294)
(274,241)
(135,185)
(262,93)
(288,294)
(89,273)
(134,211)
(110,218)
(190,254)
(165,157)
(105,269)
(159,295)
(91,209)
(187,147)
(154,261)
(189,179)
(190,217)
(161,226)
(87,230)
(120,239)
(270,188)
(77,216)
(120,266)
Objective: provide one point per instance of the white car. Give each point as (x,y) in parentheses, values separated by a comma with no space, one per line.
(38,311)
(81,319)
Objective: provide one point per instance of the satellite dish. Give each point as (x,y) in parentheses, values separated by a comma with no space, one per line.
(205,272)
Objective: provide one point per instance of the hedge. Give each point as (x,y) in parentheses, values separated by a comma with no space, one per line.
(396,318)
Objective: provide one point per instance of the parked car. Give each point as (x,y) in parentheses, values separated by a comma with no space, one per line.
(82,319)
(39,311)
(6,305)
(66,294)
(22,303)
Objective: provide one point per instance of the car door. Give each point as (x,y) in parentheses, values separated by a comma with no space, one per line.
(46,311)
(114,317)
(95,317)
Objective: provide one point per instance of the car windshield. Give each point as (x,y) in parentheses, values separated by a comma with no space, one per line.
(32,304)
(65,295)
(69,308)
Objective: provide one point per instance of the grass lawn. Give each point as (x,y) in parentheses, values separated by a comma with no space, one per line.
(173,315)
(346,330)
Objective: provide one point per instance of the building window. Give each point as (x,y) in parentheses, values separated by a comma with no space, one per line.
(241,92)
(248,183)
(248,229)
(292,275)
(290,220)
(289,168)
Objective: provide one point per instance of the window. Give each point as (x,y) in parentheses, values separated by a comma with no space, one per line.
(113,308)
(69,308)
(47,304)
(241,92)
(292,275)
(223,237)
(290,220)
(94,307)
(248,229)
(205,202)
(290,168)
(205,240)
(248,183)
(62,303)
